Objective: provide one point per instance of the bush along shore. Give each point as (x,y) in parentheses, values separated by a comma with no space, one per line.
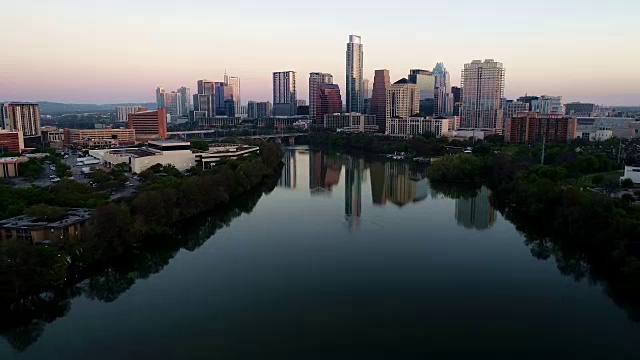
(118,227)
(590,234)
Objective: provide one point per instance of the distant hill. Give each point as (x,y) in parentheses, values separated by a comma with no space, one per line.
(47,107)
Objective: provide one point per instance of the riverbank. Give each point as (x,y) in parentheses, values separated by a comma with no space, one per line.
(125,225)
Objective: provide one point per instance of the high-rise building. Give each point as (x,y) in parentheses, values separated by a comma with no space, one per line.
(11,142)
(160,98)
(378,105)
(22,117)
(548,105)
(528,99)
(580,109)
(252,110)
(149,125)
(403,101)
(173,103)
(285,95)
(223,92)
(457,100)
(230,108)
(512,108)
(185,94)
(443,99)
(122,112)
(204,104)
(316,79)
(407,127)
(482,93)
(352,122)
(264,109)
(533,127)
(354,88)
(426,83)
(328,101)
(234,83)
(206,87)
(365,89)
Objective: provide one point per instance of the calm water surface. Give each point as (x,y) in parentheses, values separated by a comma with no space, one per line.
(345,259)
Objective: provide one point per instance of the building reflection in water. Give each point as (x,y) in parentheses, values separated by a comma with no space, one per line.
(398,183)
(476,213)
(288,179)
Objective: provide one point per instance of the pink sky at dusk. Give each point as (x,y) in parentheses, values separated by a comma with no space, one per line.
(72,52)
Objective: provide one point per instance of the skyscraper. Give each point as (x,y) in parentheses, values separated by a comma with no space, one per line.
(173,103)
(285,96)
(403,100)
(21,117)
(204,103)
(457,100)
(223,92)
(149,125)
(482,93)
(185,93)
(316,79)
(160,98)
(442,92)
(234,83)
(365,88)
(354,88)
(328,101)
(426,83)
(381,84)
(206,87)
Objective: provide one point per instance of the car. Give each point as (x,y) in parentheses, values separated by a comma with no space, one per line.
(52,176)
(52,167)
(55,180)
(66,157)
(128,184)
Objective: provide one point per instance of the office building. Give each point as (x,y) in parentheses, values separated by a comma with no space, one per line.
(173,103)
(204,104)
(315,80)
(425,82)
(407,127)
(223,92)
(354,87)
(443,99)
(378,104)
(482,93)
(403,101)
(160,104)
(11,142)
(149,125)
(21,117)
(580,109)
(257,110)
(365,89)
(528,99)
(285,95)
(457,100)
(122,112)
(533,127)
(632,173)
(512,108)
(185,94)
(234,83)
(547,105)
(352,122)
(206,87)
(328,101)
(99,138)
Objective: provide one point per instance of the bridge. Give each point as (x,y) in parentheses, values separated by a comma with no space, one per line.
(213,134)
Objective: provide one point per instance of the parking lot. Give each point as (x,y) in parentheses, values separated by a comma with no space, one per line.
(44,179)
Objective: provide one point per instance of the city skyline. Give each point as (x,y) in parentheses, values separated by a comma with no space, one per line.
(79,71)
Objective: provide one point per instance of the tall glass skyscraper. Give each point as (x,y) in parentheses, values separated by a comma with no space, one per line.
(482,93)
(425,82)
(442,95)
(355,86)
(317,79)
(234,82)
(285,95)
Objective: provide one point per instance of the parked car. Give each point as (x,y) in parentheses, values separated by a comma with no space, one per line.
(55,180)
(128,184)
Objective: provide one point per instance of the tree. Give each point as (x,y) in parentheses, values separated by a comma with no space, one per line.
(31,169)
(202,145)
(63,170)
(597,179)
(611,184)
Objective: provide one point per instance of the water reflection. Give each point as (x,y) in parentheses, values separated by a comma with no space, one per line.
(397,183)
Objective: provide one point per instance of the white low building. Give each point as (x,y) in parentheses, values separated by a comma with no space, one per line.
(595,135)
(633,173)
(178,154)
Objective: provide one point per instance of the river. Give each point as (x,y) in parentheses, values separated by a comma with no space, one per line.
(345,259)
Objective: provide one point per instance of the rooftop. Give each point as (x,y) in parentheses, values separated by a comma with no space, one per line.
(169,143)
(74,216)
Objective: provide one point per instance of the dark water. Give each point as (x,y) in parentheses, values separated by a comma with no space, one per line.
(345,259)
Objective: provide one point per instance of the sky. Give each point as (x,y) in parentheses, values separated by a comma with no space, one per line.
(121,50)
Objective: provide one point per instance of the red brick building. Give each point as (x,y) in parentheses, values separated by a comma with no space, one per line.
(149,125)
(533,127)
(328,101)
(11,142)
